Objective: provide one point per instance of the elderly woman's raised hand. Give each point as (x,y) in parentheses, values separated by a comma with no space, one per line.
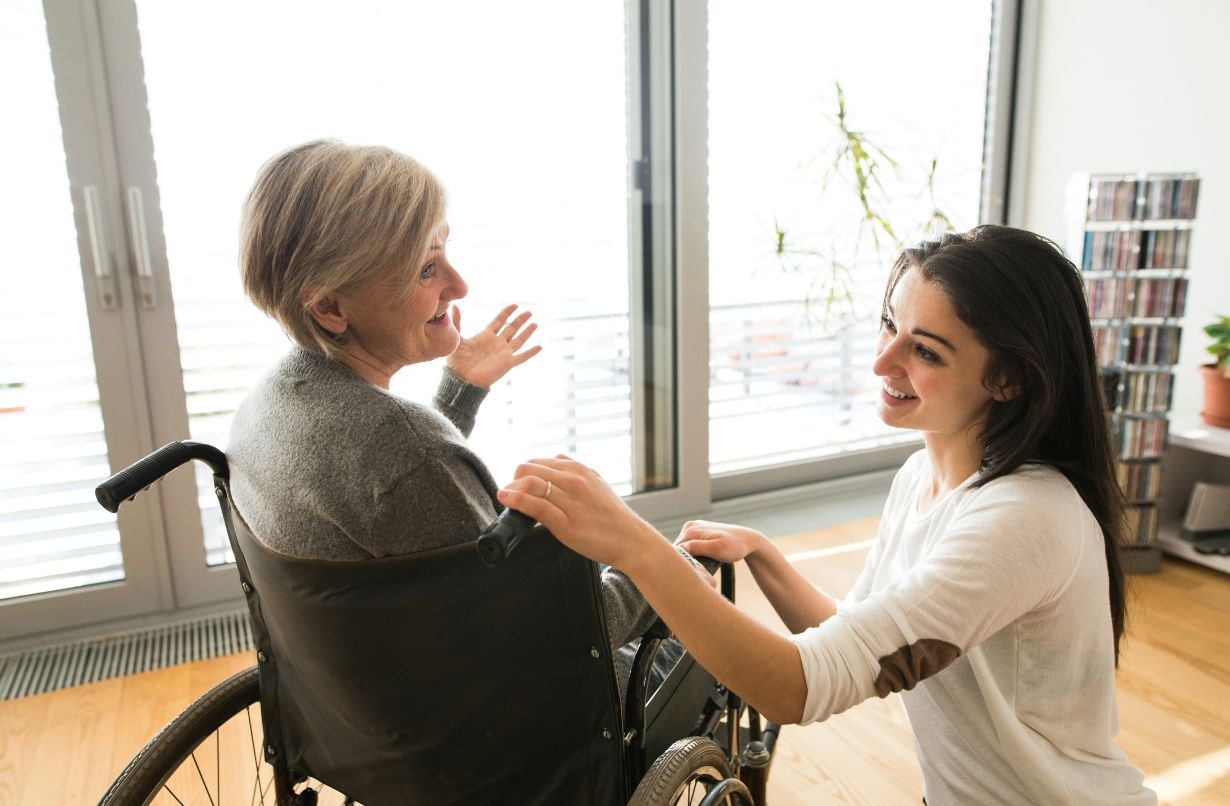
(488,355)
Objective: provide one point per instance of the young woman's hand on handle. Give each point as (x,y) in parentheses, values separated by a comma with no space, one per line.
(721,541)
(585,514)
(799,604)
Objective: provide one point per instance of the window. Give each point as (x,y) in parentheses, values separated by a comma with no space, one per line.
(793,328)
(619,169)
(532,135)
(529,134)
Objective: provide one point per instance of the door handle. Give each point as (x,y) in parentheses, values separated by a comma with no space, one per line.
(146,284)
(104,277)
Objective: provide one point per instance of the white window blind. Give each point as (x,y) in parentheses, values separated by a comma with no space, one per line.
(53,534)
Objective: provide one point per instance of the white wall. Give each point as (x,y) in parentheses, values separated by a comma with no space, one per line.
(1129,86)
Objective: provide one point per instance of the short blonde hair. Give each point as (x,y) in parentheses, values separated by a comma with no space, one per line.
(325,217)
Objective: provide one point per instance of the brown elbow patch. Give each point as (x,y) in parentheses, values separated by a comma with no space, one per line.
(902,670)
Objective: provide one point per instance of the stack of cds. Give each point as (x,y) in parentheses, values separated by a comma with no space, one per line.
(1141,438)
(1153,344)
(1158,299)
(1148,198)
(1141,481)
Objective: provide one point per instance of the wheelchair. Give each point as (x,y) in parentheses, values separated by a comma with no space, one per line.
(452,676)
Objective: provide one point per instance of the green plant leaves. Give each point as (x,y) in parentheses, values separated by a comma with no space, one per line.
(1219,332)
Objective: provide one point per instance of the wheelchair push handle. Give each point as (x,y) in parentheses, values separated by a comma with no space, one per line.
(141,474)
(500,538)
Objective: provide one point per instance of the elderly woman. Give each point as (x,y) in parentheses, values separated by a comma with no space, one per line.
(345,246)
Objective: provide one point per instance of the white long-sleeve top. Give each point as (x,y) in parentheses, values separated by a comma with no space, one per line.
(989,613)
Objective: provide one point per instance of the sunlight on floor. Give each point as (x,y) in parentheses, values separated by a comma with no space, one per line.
(799,556)
(1186,779)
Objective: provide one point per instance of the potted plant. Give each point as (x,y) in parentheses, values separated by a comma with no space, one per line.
(1217,375)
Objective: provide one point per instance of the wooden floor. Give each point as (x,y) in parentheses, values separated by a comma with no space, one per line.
(1174,699)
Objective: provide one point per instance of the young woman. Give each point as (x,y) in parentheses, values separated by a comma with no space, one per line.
(992,598)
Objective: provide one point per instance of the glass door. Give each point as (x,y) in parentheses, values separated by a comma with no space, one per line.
(133,332)
(68,392)
(601,174)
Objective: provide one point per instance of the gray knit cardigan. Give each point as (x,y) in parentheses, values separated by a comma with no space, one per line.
(325,465)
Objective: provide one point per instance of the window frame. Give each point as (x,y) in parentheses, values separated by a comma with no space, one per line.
(682,48)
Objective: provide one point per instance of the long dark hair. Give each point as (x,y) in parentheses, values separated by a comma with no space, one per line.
(1026,303)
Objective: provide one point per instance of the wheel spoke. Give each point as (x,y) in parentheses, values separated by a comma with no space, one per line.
(172,794)
(256,762)
(694,789)
(256,787)
(201,775)
(265,790)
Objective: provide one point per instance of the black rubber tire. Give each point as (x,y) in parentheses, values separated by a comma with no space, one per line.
(153,765)
(685,763)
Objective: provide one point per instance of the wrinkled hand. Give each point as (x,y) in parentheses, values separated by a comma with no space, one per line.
(721,541)
(580,509)
(488,355)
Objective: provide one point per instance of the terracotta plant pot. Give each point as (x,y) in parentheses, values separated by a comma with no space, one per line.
(1216,397)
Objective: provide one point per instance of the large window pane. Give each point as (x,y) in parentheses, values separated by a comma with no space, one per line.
(793,328)
(53,535)
(520,109)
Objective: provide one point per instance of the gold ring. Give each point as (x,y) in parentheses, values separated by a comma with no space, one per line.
(547,494)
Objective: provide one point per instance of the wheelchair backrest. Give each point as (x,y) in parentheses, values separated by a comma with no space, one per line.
(431,678)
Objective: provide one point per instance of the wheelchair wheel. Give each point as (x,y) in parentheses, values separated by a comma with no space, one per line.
(691,772)
(209,754)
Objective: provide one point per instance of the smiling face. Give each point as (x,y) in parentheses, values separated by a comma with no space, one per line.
(388,329)
(932,367)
